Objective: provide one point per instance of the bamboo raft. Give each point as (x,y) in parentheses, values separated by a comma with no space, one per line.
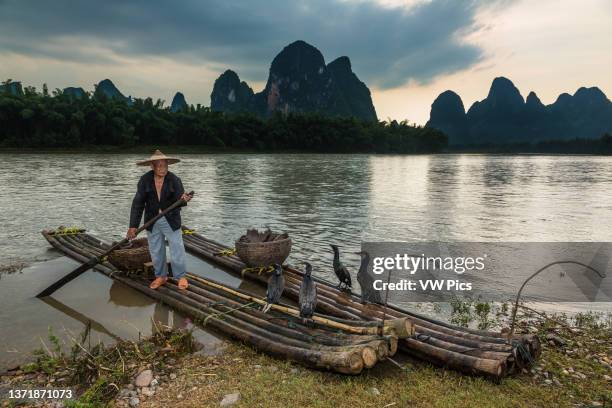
(467,350)
(325,342)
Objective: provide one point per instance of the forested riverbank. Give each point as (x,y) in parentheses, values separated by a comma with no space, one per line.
(58,120)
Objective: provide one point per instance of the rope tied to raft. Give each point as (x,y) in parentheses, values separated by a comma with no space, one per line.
(217,315)
(259,270)
(226,252)
(187,231)
(67,231)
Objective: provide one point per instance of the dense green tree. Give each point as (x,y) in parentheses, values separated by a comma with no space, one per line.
(30,119)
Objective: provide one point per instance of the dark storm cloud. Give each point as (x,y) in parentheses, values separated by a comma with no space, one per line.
(387,46)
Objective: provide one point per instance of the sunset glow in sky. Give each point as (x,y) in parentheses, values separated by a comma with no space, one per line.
(407,52)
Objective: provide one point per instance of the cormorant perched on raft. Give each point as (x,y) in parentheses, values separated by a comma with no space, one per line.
(340,270)
(366,281)
(308,294)
(276,285)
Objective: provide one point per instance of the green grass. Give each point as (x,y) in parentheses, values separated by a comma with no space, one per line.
(263,381)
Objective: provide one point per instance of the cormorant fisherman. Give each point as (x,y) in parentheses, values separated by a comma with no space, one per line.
(340,270)
(276,285)
(308,293)
(366,281)
(157,190)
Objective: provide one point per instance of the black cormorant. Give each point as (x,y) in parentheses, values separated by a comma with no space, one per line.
(366,281)
(340,270)
(308,293)
(276,285)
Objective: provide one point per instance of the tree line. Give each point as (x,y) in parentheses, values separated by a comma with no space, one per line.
(53,119)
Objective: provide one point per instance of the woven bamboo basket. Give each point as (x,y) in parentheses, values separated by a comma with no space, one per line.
(132,256)
(257,254)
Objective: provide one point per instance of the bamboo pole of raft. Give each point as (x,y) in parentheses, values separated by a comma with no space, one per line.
(347,362)
(491,355)
(478,365)
(454,360)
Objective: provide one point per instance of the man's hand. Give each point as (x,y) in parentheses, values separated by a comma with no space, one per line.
(131,233)
(186,197)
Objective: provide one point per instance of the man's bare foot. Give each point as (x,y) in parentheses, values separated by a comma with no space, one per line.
(183,284)
(159,281)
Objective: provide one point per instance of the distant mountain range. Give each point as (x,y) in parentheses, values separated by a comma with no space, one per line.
(107,89)
(504,117)
(298,81)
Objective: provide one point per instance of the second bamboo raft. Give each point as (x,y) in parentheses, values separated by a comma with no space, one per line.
(463,349)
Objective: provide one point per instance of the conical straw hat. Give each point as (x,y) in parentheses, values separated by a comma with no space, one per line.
(157,155)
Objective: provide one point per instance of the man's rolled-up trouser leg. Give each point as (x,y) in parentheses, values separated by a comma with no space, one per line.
(157,249)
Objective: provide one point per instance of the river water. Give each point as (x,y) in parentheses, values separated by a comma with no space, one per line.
(318,199)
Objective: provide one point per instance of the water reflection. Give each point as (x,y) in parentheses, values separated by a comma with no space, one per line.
(120,294)
(78,316)
(442,175)
(497,172)
(114,310)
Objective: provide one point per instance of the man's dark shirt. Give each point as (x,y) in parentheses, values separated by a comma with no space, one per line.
(146,200)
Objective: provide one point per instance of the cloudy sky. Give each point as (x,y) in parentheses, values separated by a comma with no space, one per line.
(407,51)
